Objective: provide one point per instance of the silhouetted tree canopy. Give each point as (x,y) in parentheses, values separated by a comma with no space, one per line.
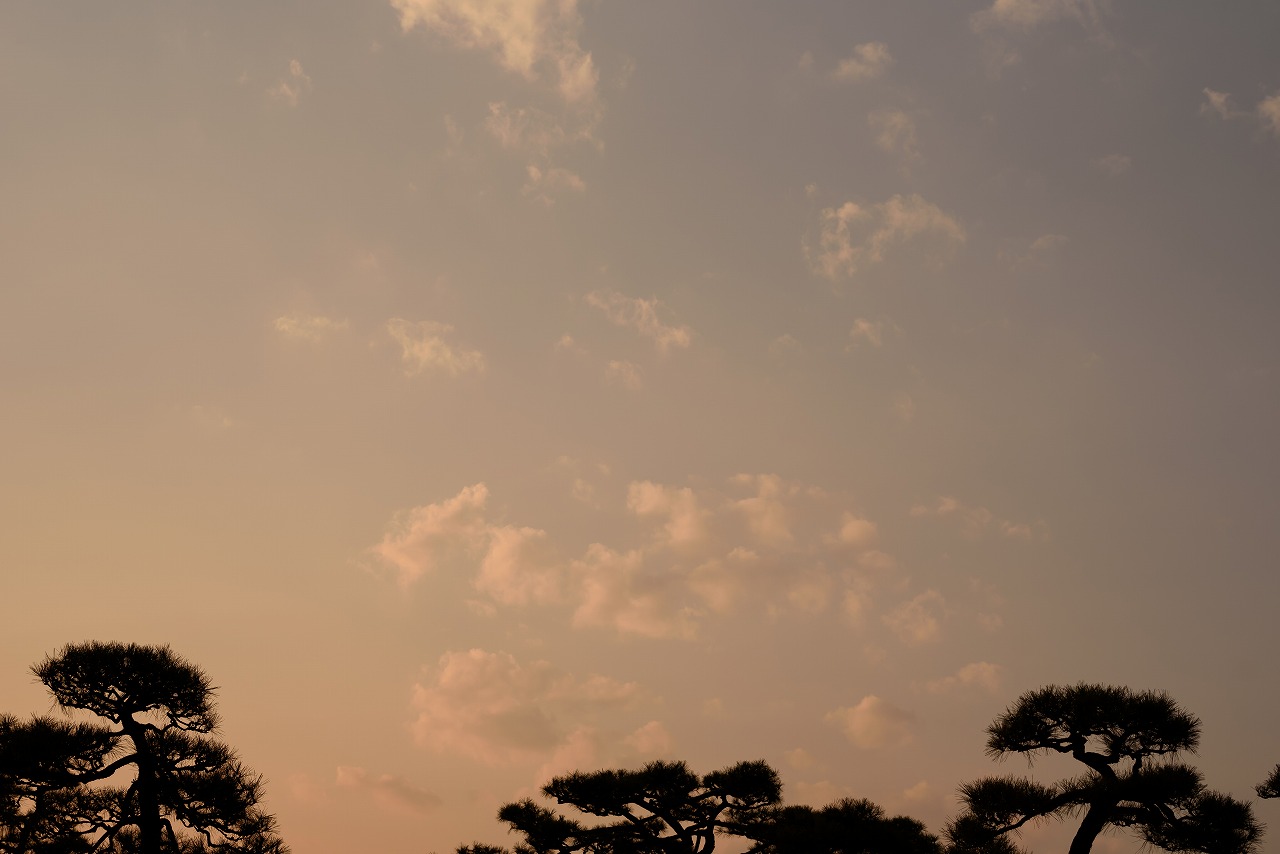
(187,793)
(1128,742)
(1270,787)
(662,808)
(847,826)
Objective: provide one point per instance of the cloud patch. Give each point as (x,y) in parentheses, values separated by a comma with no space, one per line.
(425,348)
(645,316)
(536,39)
(874,723)
(868,61)
(852,237)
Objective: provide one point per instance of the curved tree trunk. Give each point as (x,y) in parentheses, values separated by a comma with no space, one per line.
(1095,820)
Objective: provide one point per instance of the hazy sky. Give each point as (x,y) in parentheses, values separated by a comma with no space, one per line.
(484,389)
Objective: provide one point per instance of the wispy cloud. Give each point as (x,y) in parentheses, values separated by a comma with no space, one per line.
(313,328)
(290,88)
(425,349)
(644,316)
(852,236)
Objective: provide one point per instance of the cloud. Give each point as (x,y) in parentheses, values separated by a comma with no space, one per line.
(853,236)
(519,567)
(874,723)
(800,758)
(537,39)
(424,349)
(537,132)
(1269,112)
(871,332)
(766,513)
(549,183)
(976,522)
(289,89)
(1217,104)
(391,792)
(1023,15)
(618,591)
(979,674)
(624,373)
(684,521)
(915,621)
(652,739)
(308,327)
(868,61)
(489,707)
(904,407)
(642,315)
(856,532)
(896,134)
(419,540)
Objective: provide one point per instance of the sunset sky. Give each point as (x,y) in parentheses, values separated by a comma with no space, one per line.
(485,389)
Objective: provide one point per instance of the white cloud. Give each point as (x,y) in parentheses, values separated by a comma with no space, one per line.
(642,315)
(289,89)
(916,621)
(424,348)
(390,792)
(874,723)
(896,134)
(1028,14)
(421,538)
(1269,113)
(979,674)
(489,707)
(853,236)
(308,327)
(536,39)
(624,373)
(856,532)
(868,61)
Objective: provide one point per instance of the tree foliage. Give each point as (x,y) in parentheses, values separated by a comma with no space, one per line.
(151,779)
(848,826)
(1128,742)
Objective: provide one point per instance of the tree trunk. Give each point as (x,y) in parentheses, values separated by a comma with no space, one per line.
(1095,820)
(149,825)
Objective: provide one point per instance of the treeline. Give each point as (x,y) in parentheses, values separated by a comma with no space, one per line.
(148,777)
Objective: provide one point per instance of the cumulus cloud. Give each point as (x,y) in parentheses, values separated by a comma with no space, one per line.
(684,522)
(1267,111)
(389,791)
(868,61)
(917,621)
(1217,104)
(855,531)
(766,513)
(519,567)
(642,315)
(424,349)
(536,132)
(537,39)
(313,328)
(489,707)
(652,739)
(874,723)
(618,591)
(290,88)
(979,674)
(853,236)
(420,539)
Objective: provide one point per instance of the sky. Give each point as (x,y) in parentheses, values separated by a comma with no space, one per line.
(481,390)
